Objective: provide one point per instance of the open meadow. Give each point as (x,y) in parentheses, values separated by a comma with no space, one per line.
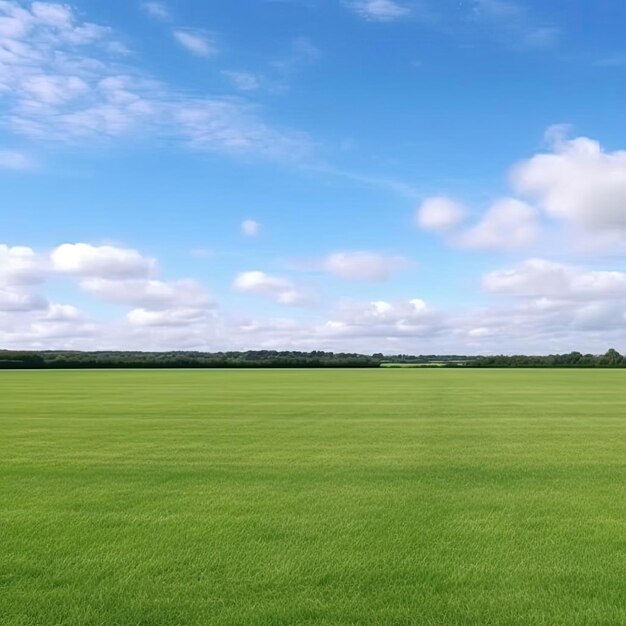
(290,497)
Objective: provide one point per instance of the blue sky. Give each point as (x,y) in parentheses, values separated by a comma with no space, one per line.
(362,175)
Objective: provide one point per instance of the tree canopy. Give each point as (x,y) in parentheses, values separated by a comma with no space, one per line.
(11,359)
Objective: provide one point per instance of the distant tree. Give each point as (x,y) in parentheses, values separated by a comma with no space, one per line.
(612,359)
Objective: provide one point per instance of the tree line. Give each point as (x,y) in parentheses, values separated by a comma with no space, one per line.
(11,359)
(612,358)
(252,358)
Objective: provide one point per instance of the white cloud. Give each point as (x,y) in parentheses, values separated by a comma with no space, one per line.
(511,24)
(179,311)
(196,41)
(279,289)
(539,278)
(440,214)
(61,322)
(116,275)
(20,265)
(50,69)
(536,306)
(54,14)
(178,317)
(37,324)
(155,295)
(156,10)
(63,313)
(365,266)
(578,183)
(13,160)
(51,90)
(101,261)
(556,307)
(244,81)
(380,10)
(508,223)
(18,299)
(233,128)
(61,80)
(302,53)
(250,228)
(156,303)
(409,318)
(123,276)
(21,268)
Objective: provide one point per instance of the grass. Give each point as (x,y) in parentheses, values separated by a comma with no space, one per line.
(351,497)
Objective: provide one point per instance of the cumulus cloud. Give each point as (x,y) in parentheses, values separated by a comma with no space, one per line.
(162,311)
(250,228)
(20,300)
(508,223)
(578,182)
(21,269)
(535,306)
(383,319)
(20,265)
(123,276)
(46,325)
(363,266)
(196,41)
(170,317)
(101,261)
(279,289)
(150,294)
(555,307)
(380,10)
(63,313)
(539,278)
(62,322)
(440,214)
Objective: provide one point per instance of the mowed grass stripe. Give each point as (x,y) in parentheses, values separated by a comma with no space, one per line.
(399,496)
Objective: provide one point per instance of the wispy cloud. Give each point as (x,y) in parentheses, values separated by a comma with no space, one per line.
(393,185)
(250,228)
(379,10)
(61,81)
(512,23)
(14,160)
(233,127)
(157,10)
(196,41)
(613,60)
(302,52)
(244,81)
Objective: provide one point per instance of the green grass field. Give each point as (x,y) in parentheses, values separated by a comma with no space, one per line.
(364,497)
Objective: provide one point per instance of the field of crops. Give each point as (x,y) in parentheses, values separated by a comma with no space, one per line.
(292,497)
